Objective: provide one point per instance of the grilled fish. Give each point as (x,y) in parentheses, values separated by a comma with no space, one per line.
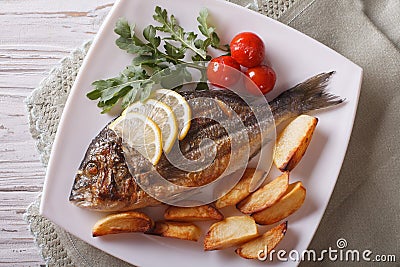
(105,183)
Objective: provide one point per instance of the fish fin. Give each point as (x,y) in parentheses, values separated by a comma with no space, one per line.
(314,95)
(307,96)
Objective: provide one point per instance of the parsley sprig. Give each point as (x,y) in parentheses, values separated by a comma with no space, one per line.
(154,54)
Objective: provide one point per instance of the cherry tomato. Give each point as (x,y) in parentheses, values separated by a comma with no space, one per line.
(263,76)
(247,49)
(223,71)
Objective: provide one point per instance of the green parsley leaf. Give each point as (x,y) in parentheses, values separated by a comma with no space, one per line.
(209,31)
(151,60)
(170,25)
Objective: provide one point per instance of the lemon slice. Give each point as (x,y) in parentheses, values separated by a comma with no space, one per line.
(162,115)
(179,106)
(141,133)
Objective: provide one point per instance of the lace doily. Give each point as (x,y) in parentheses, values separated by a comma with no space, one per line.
(46,103)
(47,237)
(275,8)
(45,106)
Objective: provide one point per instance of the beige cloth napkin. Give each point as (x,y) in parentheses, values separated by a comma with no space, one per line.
(365,206)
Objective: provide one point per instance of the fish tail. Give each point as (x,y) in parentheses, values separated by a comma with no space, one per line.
(306,96)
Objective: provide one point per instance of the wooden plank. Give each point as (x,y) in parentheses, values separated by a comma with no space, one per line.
(11,255)
(46,6)
(59,23)
(16,241)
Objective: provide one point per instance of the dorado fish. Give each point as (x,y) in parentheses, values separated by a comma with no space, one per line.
(105,183)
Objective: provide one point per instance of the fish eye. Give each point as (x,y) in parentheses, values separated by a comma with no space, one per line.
(92,169)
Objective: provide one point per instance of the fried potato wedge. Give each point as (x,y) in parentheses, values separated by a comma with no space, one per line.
(265,196)
(230,232)
(240,191)
(199,213)
(125,222)
(179,230)
(288,204)
(263,244)
(293,141)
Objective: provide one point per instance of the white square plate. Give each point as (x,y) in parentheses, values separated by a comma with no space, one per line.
(294,56)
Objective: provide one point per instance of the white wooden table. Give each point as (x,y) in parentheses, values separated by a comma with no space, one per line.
(34,36)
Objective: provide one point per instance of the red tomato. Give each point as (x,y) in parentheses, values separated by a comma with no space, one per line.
(263,76)
(223,71)
(247,49)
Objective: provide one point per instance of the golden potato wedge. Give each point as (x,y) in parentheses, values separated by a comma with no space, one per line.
(264,244)
(179,230)
(125,222)
(199,213)
(229,232)
(265,196)
(293,141)
(288,204)
(240,191)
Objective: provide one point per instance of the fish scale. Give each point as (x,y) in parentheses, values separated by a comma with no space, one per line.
(111,187)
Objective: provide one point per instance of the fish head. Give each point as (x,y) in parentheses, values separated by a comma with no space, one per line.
(103,174)
(104,162)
